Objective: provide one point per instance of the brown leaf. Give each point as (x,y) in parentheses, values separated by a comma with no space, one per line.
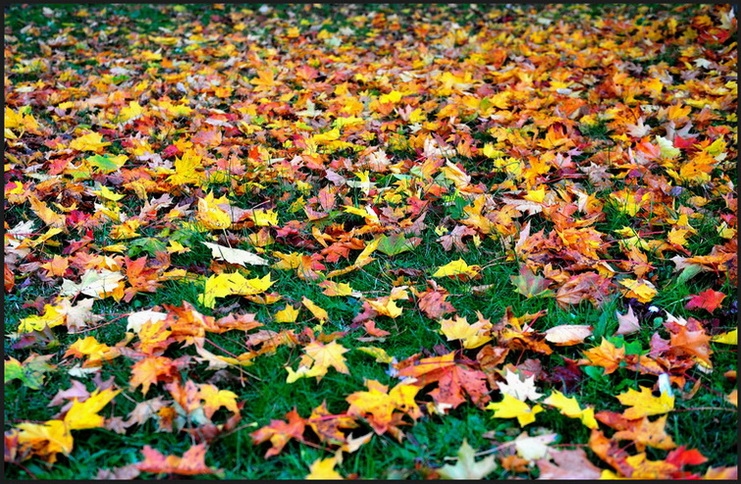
(588,286)
(124,473)
(433,303)
(627,323)
(568,464)
(145,410)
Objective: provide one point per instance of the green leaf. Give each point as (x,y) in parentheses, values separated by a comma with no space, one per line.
(688,273)
(149,245)
(30,372)
(595,372)
(396,244)
(105,164)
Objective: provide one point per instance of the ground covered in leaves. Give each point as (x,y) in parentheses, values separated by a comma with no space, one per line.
(370,242)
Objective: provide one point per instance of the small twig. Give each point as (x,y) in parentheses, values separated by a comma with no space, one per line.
(705,386)
(493,263)
(33,476)
(129,398)
(721,409)
(239,367)
(495,449)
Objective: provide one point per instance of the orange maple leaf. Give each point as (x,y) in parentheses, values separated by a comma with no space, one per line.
(606,355)
(280,433)
(192,463)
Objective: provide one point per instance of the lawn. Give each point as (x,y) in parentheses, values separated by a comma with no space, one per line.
(370,241)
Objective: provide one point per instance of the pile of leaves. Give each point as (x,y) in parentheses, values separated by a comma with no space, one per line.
(357,234)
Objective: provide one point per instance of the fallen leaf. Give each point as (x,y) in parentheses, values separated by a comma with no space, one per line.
(708,300)
(317,360)
(511,407)
(533,448)
(192,463)
(280,433)
(518,387)
(568,464)
(323,469)
(570,408)
(235,256)
(458,269)
(467,467)
(643,403)
(568,334)
(530,285)
(627,323)
(729,338)
(606,355)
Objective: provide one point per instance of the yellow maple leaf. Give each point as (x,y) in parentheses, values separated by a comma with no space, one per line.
(108,194)
(323,469)
(729,338)
(725,231)
(133,110)
(46,439)
(126,230)
(457,268)
(95,352)
(385,306)
(570,407)
(265,218)
(472,335)
(511,407)
(286,315)
(392,97)
(643,403)
(22,120)
(378,353)
(187,169)
(303,372)
(213,399)
(84,415)
(211,215)
(490,152)
(225,284)
(53,316)
(175,247)
(318,312)
(640,289)
(378,404)
(88,142)
(332,288)
(317,360)
(367,213)
(460,178)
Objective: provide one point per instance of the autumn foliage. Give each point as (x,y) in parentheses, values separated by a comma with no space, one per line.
(188,205)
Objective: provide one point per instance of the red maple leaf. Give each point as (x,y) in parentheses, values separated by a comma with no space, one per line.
(709,300)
